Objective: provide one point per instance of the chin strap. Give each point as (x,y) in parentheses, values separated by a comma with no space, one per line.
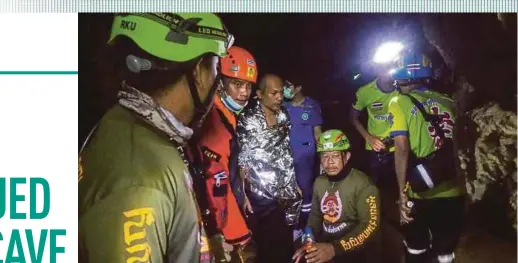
(201,109)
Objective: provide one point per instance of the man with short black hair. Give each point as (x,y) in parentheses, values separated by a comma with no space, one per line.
(266,166)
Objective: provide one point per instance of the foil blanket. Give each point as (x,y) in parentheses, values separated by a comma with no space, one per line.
(266,159)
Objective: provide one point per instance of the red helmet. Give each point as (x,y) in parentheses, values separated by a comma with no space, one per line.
(240,64)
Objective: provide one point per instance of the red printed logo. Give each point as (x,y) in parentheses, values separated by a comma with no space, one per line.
(446,125)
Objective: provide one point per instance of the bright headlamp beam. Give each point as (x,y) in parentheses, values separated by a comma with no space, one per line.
(387,52)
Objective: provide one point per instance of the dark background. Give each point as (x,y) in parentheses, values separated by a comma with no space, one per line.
(324,51)
(320,51)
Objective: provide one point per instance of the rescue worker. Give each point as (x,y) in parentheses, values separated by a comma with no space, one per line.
(136,199)
(375,97)
(422,123)
(306,126)
(345,213)
(218,143)
(266,165)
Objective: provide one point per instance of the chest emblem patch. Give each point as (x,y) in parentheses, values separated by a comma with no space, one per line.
(377,106)
(331,207)
(305,116)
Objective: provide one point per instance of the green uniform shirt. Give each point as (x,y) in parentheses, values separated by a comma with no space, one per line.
(345,213)
(376,101)
(406,119)
(136,202)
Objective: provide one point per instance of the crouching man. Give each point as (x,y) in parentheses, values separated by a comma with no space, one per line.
(345,211)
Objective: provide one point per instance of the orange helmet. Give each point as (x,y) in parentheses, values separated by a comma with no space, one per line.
(240,64)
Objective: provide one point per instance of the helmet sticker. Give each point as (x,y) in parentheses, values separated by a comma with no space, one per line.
(328,145)
(234,68)
(327,135)
(250,72)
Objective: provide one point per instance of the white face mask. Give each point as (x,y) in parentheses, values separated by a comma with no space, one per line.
(231,104)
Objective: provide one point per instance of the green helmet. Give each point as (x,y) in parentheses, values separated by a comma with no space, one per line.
(333,140)
(177,37)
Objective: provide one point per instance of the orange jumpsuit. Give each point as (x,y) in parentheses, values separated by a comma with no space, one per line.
(215,145)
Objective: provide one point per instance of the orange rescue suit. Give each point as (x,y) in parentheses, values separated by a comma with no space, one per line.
(215,146)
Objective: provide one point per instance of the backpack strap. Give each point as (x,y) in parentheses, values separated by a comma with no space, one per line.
(433,119)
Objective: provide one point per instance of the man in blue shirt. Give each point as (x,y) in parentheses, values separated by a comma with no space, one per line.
(306,121)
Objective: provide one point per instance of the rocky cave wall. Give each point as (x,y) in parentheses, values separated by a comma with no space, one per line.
(480,51)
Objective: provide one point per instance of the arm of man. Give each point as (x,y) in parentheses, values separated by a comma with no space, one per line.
(401,154)
(354,116)
(368,209)
(399,131)
(127,226)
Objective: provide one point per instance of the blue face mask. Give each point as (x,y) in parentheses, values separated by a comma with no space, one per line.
(231,104)
(288,93)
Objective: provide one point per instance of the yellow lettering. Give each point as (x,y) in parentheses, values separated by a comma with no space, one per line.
(353,242)
(137,248)
(144,259)
(134,231)
(345,245)
(370,229)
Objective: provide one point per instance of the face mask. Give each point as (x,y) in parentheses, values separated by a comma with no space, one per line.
(231,104)
(288,93)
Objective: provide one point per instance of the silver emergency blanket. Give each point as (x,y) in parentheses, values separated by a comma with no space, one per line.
(266,159)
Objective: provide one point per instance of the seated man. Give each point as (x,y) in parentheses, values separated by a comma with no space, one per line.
(345,212)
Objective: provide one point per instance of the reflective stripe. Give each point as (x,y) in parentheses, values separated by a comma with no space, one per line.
(306,205)
(306,210)
(414,251)
(448,258)
(426,177)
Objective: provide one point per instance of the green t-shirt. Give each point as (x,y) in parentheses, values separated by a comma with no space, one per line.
(345,213)
(376,101)
(406,119)
(136,200)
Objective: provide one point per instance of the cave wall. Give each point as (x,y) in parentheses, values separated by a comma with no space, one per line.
(480,50)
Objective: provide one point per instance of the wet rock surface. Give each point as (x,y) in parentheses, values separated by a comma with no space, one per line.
(480,51)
